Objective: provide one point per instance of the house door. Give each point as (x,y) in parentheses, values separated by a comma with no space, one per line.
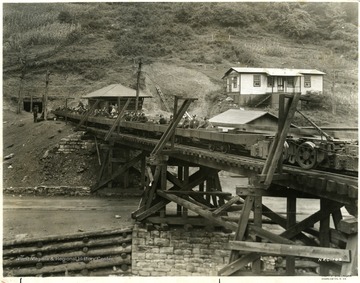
(280,84)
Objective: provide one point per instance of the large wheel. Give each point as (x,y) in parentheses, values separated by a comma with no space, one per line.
(306,155)
(224,148)
(211,147)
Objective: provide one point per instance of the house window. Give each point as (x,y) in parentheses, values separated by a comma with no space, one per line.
(234,82)
(290,82)
(257,82)
(307,81)
(270,81)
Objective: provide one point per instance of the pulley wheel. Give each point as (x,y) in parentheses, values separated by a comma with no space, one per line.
(306,155)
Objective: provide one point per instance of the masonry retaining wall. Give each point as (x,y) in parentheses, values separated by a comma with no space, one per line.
(178,252)
(74,143)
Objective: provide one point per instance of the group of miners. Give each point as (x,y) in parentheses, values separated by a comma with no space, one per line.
(136,117)
(187,122)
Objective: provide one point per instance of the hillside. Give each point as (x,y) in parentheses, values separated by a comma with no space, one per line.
(185,49)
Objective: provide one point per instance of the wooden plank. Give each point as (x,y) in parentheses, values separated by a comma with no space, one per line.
(197,210)
(348,226)
(66,246)
(177,220)
(216,193)
(229,203)
(351,267)
(95,252)
(93,264)
(67,237)
(293,250)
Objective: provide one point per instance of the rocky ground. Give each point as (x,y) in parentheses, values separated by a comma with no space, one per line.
(30,157)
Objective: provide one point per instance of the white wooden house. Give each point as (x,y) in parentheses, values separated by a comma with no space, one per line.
(255,85)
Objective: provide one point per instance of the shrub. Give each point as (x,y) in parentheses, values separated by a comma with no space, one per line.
(65,17)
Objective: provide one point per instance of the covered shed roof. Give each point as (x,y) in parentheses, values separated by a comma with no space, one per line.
(238,116)
(274,71)
(114,90)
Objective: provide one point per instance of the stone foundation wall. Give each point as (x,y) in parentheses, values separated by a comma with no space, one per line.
(178,252)
(75,142)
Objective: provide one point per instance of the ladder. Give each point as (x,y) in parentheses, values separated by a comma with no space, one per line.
(163,99)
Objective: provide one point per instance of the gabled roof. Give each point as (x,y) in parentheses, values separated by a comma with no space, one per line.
(238,116)
(115,90)
(274,71)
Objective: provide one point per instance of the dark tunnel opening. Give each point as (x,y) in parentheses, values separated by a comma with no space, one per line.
(27,105)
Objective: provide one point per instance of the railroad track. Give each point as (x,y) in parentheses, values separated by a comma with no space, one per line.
(334,186)
(101,253)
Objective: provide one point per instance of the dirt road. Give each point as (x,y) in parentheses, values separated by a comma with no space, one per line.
(28,217)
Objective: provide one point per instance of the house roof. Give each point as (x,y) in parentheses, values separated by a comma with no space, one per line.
(115,90)
(274,71)
(239,117)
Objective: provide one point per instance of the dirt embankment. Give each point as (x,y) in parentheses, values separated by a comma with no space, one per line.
(30,158)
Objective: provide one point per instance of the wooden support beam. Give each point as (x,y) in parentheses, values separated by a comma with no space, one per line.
(269,235)
(117,120)
(310,221)
(236,265)
(150,191)
(214,193)
(118,172)
(324,236)
(242,224)
(276,149)
(256,265)
(103,164)
(170,130)
(194,180)
(290,221)
(109,164)
(198,210)
(143,171)
(87,114)
(293,250)
(229,203)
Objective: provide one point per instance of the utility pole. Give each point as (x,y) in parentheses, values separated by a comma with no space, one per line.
(138,87)
(47,77)
(22,76)
(333,103)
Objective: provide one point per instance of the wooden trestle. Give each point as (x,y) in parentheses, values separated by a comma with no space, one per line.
(193,185)
(200,193)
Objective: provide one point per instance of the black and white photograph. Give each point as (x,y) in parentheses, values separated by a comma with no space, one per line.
(213,141)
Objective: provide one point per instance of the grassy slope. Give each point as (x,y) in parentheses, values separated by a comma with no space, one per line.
(91,63)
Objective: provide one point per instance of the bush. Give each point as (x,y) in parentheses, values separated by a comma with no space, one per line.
(65,17)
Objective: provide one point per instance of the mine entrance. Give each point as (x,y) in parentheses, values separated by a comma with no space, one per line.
(27,105)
